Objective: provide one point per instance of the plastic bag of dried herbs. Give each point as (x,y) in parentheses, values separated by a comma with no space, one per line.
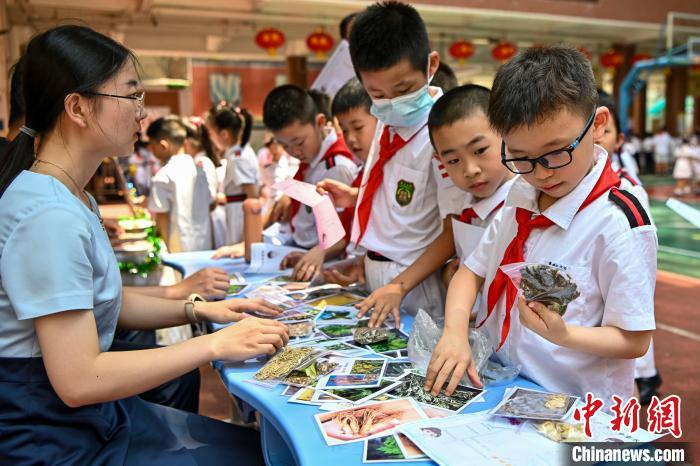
(552,286)
(425,335)
(285,361)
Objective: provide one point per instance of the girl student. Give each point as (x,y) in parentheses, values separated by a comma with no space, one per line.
(65,399)
(232,127)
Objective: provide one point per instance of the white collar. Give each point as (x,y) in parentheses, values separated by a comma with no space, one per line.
(522,194)
(484,207)
(327,142)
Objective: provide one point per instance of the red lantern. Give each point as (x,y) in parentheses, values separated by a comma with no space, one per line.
(504,51)
(612,59)
(320,42)
(640,57)
(461,50)
(270,39)
(586,53)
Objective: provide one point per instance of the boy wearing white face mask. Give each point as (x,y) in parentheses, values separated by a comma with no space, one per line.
(397,217)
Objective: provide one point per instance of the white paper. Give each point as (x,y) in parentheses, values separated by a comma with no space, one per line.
(266,258)
(474,439)
(466,237)
(336,72)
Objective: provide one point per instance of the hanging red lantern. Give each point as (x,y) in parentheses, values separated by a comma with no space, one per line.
(503,51)
(612,59)
(586,53)
(461,50)
(640,57)
(270,39)
(320,42)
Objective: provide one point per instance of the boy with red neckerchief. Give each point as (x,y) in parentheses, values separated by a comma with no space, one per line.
(302,129)
(566,210)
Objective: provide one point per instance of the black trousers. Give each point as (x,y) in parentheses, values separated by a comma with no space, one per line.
(180,393)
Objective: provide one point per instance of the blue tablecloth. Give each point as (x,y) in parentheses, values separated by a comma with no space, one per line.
(289,432)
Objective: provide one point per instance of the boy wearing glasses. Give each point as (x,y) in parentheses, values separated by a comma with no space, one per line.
(565,210)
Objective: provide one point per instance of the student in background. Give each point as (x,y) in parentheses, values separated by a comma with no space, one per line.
(613,141)
(445,78)
(351,109)
(302,128)
(663,147)
(280,166)
(233,127)
(194,148)
(180,196)
(683,168)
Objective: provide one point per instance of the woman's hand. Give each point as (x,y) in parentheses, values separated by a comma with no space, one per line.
(247,339)
(234,310)
(210,283)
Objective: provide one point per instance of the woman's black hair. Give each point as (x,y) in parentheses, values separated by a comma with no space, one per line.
(61,61)
(17,109)
(234,119)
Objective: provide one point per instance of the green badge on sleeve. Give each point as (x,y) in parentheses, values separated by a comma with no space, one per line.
(404,192)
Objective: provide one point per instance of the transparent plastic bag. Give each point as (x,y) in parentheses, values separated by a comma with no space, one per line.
(552,286)
(425,336)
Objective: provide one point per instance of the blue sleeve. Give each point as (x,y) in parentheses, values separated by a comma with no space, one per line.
(45,264)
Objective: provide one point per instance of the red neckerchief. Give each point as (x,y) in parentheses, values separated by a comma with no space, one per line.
(387,150)
(338,148)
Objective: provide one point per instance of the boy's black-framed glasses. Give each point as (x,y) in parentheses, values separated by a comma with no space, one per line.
(555,159)
(139,98)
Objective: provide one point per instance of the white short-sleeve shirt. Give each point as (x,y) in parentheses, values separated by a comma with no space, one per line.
(54,256)
(405,216)
(342,169)
(181,188)
(201,160)
(241,168)
(598,243)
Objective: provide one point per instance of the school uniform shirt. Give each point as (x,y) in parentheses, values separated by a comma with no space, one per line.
(181,189)
(241,168)
(616,266)
(624,165)
(202,161)
(275,172)
(326,165)
(405,213)
(471,219)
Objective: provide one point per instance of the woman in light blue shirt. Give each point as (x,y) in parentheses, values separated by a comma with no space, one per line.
(63,397)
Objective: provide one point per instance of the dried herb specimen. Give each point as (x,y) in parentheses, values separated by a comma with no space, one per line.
(549,286)
(285,362)
(365,336)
